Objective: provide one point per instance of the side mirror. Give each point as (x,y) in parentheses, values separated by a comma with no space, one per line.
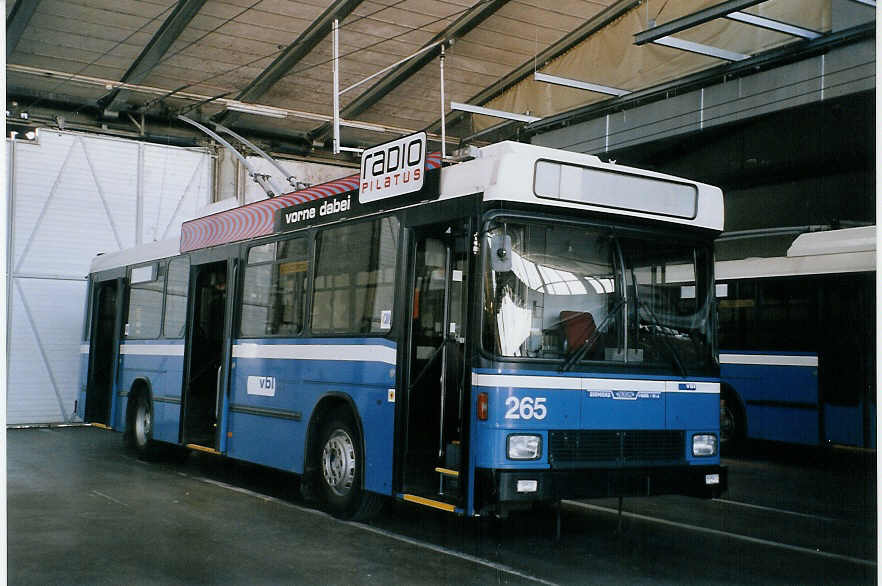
(500,253)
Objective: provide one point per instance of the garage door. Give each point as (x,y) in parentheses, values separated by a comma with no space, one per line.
(74,196)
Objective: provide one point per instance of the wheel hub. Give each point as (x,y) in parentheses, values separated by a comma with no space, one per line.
(142,425)
(338,462)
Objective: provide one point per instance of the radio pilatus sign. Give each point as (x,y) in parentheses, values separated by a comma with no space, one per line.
(393,168)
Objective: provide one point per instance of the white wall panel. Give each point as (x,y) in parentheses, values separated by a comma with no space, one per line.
(46,325)
(89,206)
(176,185)
(74,196)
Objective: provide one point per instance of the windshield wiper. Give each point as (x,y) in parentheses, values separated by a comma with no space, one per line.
(583,349)
(673,351)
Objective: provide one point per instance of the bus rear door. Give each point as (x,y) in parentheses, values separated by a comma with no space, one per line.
(106,328)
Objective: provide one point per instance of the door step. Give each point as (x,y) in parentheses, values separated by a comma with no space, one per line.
(412,498)
(205,449)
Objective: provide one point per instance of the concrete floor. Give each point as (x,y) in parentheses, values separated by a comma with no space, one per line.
(81,511)
(84,511)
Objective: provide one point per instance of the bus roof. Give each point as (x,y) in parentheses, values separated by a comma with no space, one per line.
(516,172)
(138,254)
(505,172)
(849,250)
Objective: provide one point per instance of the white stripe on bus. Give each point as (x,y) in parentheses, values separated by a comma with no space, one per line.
(152,349)
(768,360)
(590,384)
(343,352)
(526,382)
(84,348)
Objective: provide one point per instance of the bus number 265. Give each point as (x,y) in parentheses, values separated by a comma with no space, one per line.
(525,408)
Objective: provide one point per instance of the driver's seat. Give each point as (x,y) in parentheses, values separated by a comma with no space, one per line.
(578,326)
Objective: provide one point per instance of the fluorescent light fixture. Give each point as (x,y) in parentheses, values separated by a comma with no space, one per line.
(773,25)
(257,109)
(491,112)
(683,45)
(582,85)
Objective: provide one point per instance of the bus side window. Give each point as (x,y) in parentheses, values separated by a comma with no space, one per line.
(274,294)
(176,297)
(145,301)
(354,278)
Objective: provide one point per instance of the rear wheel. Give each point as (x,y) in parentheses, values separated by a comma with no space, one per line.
(140,429)
(340,462)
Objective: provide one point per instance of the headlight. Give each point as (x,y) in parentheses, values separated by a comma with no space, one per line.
(524,447)
(704,444)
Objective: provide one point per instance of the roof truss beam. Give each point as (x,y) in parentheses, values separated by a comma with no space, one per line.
(17,21)
(692,20)
(293,53)
(153,52)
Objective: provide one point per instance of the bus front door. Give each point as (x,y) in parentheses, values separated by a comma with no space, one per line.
(106,327)
(203,367)
(434,374)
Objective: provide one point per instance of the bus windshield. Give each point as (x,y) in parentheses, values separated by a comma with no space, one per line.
(597,294)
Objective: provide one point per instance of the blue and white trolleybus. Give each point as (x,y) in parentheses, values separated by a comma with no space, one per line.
(475,337)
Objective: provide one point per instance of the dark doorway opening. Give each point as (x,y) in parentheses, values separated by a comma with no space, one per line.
(103,349)
(205,345)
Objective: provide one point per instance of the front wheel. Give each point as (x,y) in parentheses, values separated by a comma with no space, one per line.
(340,463)
(731,426)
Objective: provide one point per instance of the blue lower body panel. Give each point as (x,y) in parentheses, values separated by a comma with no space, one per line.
(277,385)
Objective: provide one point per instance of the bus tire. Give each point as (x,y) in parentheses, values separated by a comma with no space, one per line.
(140,428)
(340,464)
(732,425)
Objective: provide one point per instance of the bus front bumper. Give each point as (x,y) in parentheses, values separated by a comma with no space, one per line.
(512,486)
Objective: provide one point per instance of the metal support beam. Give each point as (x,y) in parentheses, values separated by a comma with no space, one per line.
(465,23)
(773,25)
(151,55)
(491,112)
(715,52)
(77,103)
(17,21)
(691,20)
(581,85)
(587,29)
(291,56)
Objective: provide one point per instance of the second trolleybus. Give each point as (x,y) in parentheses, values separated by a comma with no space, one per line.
(475,338)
